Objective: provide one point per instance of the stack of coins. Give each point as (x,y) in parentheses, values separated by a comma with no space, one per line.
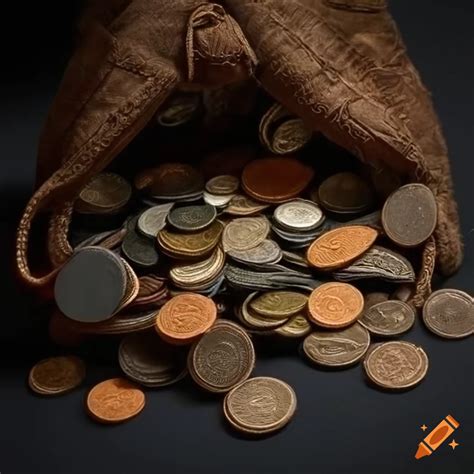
(201,261)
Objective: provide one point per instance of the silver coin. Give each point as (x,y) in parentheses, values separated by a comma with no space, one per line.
(180,110)
(192,218)
(298,215)
(223,185)
(153,220)
(217,200)
(266,252)
(245,233)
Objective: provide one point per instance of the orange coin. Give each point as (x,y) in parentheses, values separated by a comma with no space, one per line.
(114,401)
(185,317)
(276,180)
(339,247)
(335,305)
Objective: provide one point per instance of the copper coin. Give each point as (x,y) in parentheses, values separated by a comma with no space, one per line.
(449,313)
(276,180)
(339,247)
(396,365)
(345,193)
(388,318)
(409,215)
(185,317)
(335,305)
(114,401)
(57,375)
(222,358)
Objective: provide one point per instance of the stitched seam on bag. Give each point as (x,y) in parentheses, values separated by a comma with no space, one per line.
(367,6)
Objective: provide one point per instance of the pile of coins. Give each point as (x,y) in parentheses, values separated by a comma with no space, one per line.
(206,259)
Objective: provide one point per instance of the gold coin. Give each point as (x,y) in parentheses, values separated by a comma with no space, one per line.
(278,304)
(297,326)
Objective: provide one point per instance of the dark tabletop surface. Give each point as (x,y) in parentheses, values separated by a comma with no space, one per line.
(342,425)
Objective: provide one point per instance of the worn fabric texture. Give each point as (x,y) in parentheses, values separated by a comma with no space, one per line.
(338,64)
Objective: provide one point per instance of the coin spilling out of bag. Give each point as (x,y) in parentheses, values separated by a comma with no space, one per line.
(204,259)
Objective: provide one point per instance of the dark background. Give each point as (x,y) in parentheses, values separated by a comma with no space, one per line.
(342,425)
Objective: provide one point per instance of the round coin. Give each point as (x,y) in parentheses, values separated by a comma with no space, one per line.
(114,401)
(339,247)
(345,193)
(267,252)
(192,218)
(223,185)
(179,110)
(298,215)
(245,233)
(396,364)
(337,348)
(290,136)
(241,205)
(276,180)
(91,285)
(260,405)
(57,375)
(139,250)
(185,317)
(279,304)
(297,326)
(449,313)
(153,220)
(149,361)
(222,358)
(335,305)
(388,318)
(409,215)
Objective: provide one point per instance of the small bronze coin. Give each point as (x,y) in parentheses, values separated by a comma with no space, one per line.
(409,215)
(153,220)
(106,192)
(339,247)
(388,318)
(245,233)
(254,320)
(139,250)
(345,193)
(57,375)
(276,180)
(396,364)
(449,313)
(222,358)
(149,361)
(297,326)
(185,317)
(223,185)
(279,304)
(260,405)
(335,305)
(90,287)
(337,348)
(192,218)
(114,401)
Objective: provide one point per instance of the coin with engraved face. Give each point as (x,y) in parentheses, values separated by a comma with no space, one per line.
(153,220)
(192,218)
(449,313)
(279,304)
(223,185)
(245,233)
(298,215)
(396,364)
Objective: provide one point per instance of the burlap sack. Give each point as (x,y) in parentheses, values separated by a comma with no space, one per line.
(338,64)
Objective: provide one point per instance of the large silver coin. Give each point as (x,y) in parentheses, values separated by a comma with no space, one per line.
(298,215)
(192,218)
(153,220)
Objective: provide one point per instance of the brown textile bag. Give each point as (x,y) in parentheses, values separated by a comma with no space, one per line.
(338,64)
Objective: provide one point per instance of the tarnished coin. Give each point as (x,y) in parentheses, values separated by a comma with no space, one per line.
(105,193)
(266,252)
(170,181)
(185,317)
(298,215)
(217,200)
(57,375)
(90,287)
(276,180)
(223,185)
(449,313)
(241,205)
(180,110)
(245,233)
(153,220)
(373,298)
(345,193)
(278,304)
(149,361)
(396,364)
(222,358)
(403,293)
(114,401)
(339,247)
(409,215)
(335,305)
(139,250)
(191,244)
(337,348)
(388,318)
(260,405)
(297,326)
(384,180)
(378,262)
(192,218)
